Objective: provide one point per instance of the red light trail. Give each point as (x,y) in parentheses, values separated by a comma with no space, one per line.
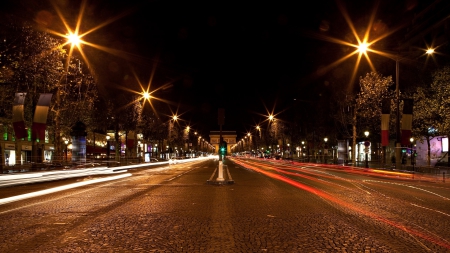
(431,238)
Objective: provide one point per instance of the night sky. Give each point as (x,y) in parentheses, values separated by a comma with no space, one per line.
(244,56)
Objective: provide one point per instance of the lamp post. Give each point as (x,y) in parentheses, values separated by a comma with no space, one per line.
(66,142)
(366,149)
(412,154)
(325,150)
(303,150)
(174,118)
(289,150)
(258,139)
(139,151)
(271,119)
(107,146)
(250,144)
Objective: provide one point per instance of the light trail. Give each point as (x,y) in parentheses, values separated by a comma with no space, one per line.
(413,232)
(26,178)
(373,172)
(357,170)
(410,186)
(430,209)
(60,188)
(310,177)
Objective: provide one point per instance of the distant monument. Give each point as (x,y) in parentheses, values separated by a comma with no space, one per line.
(229,137)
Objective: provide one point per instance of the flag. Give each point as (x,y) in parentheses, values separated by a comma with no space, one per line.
(40,117)
(385,116)
(407,121)
(18,121)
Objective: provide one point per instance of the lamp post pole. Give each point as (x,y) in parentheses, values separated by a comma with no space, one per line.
(139,151)
(303,150)
(366,149)
(413,154)
(66,142)
(289,150)
(107,146)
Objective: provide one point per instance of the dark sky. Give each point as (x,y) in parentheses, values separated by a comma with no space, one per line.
(243,56)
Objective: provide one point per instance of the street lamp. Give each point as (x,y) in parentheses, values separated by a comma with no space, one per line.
(174,118)
(258,139)
(304,151)
(66,142)
(325,149)
(412,153)
(366,149)
(107,146)
(139,151)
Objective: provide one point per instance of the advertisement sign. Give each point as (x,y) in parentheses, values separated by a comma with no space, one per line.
(444,144)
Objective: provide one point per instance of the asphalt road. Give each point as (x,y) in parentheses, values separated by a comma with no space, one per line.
(272,206)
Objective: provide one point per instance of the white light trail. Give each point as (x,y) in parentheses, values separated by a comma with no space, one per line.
(61,188)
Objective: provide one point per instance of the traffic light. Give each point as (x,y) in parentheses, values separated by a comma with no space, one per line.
(223,149)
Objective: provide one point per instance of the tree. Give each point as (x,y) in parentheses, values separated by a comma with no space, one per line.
(33,62)
(373,89)
(431,109)
(425,117)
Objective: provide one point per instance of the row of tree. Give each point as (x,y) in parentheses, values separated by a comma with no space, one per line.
(345,116)
(35,62)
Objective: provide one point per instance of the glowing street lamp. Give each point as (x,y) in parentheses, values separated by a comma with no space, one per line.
(413,153)
(66,142)
(74,39)
(107,145)
(363,47)
(146,95)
